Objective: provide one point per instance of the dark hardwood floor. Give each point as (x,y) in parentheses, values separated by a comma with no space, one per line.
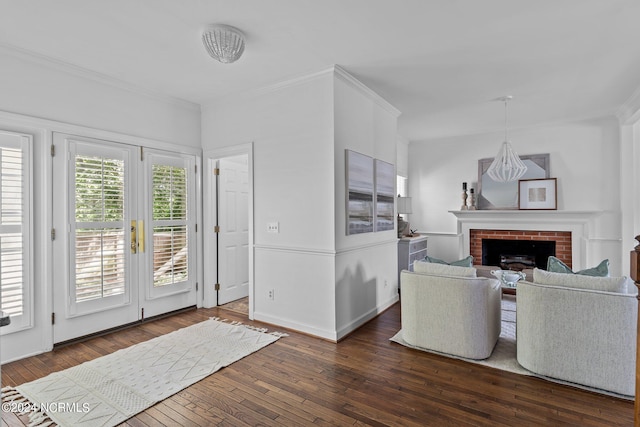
(363,380)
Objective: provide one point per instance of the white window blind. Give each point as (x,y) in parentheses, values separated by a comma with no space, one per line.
(99,228)
(170,253)
(15,229)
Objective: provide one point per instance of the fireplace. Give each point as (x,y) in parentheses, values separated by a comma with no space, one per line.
(517,254)
(569,229)
(519,249)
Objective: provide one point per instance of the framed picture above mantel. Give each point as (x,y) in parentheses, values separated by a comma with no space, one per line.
(539,194)
(504,195)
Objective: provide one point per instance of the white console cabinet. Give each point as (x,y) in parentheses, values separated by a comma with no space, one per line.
(409,250)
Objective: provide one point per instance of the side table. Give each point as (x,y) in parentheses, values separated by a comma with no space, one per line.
(410,249)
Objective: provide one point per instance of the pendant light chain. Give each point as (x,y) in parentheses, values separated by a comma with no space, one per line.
(505,118)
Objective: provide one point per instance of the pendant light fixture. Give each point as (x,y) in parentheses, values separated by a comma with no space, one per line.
(507,166)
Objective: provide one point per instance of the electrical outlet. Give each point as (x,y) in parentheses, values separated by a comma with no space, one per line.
(385,283)
(273,227)
(271,294)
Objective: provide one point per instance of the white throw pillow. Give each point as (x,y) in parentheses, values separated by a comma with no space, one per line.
(607,284)
(443,269)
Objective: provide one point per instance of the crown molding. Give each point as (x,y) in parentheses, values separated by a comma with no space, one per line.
(300,79)
(629,112)
(365,90)
(95,76)
(604,114)
(269,89)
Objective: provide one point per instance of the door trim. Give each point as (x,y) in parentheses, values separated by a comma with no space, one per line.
(210,205)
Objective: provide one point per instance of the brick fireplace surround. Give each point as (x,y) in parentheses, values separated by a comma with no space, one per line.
(570,227)
(562,239)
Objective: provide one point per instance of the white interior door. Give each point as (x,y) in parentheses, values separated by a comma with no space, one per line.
(233,220)
(105,272)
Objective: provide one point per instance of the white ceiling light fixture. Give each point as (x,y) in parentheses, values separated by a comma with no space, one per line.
(223,42)
(507,166)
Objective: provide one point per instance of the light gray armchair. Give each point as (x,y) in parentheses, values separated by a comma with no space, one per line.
(453,315)
(583,336)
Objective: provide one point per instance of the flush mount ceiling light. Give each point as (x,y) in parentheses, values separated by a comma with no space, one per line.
(507,166)
(223,42)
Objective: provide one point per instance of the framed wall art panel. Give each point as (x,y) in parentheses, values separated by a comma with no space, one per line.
(360,193)
(385,195)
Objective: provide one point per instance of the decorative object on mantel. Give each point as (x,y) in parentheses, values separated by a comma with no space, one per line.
(404,207)
(504,195)
(538,194)
(471,201)
(464,197)
(223,42)
(506,166)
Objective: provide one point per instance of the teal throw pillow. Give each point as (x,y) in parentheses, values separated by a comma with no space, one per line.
(554,265)
(465,262)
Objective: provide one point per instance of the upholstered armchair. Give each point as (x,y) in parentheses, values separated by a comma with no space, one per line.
(579,329)
(448,314)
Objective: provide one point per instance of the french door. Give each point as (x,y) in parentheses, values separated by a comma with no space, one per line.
(124,234)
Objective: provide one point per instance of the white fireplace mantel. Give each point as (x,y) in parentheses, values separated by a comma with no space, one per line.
(576,222)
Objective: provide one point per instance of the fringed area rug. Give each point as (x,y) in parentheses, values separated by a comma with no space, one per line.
(109,390)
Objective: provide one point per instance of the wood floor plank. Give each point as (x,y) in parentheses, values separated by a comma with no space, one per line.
(364,380)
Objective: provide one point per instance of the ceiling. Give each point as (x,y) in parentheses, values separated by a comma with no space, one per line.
(440,62)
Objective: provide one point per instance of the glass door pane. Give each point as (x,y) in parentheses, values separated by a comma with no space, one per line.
(99,227)
(170,239)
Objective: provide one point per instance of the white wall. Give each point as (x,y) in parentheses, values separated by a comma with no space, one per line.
(630,187)
(324,283)
(291,128)
(366,264)
(402,165)
(39,88)
(584,156)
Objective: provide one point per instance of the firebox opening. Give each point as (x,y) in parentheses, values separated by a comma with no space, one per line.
(517,254)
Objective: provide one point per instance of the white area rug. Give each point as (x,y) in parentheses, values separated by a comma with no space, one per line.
(109,390)
(504,353)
